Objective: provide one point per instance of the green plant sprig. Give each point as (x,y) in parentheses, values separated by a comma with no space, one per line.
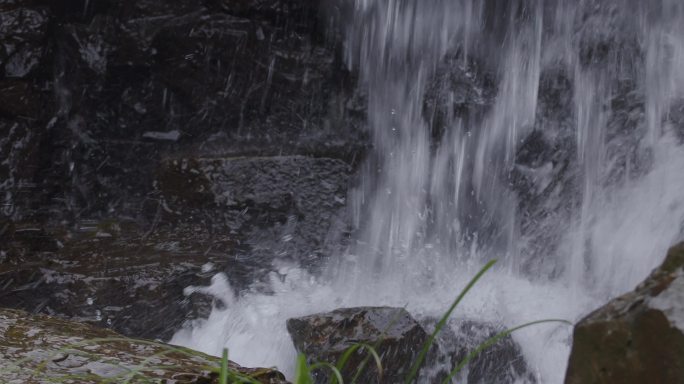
(442,322)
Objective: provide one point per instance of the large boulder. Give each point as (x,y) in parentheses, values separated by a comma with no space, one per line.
(38,349)
(637,337)
(396,336)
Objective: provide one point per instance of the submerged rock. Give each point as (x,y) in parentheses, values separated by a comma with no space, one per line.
(637,337)
(396,336)
(37,349)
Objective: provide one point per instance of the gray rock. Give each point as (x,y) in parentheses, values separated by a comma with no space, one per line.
(396,336)
(637,337)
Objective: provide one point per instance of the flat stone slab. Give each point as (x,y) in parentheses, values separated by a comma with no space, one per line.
(38,349)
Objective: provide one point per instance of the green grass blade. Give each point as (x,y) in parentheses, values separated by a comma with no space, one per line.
(302,372)
(223,374)
(378,363)
(426,347)
(372,352)
(342,361)
(337,376)
(493,340)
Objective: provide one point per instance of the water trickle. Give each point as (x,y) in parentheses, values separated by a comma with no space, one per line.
(536,132)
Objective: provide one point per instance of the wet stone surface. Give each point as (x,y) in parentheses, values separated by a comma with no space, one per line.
(637,337)
(501,363)
(281,207)
(208,216)
(147,145)
(39,349)
(396,336)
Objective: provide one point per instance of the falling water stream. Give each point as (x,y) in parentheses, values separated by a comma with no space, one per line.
(544,134)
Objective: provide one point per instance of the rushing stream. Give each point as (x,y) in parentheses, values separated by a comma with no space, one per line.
(545,134)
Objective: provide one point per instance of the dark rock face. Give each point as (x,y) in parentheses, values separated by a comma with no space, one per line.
(145,145)
(210,215)
(286,207)
(23,32)
(637,337)
(109,88)
(47,349)
(458,91)
(326,336)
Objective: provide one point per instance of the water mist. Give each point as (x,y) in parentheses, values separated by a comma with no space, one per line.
(539,133)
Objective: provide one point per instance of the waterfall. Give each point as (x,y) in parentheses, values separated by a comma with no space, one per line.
(545,134)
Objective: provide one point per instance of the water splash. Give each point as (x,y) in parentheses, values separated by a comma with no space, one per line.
(537,132)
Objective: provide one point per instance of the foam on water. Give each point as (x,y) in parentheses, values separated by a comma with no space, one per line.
(253,326)
(439,199)
(636,229)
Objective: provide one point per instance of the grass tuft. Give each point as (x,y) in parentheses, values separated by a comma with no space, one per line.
(493,340)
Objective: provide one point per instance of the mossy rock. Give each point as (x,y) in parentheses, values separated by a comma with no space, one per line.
(44,349)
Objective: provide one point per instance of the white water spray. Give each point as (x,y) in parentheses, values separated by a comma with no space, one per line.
(535,132)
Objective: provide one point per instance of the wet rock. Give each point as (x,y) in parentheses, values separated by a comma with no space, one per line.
(501,363)
(112,273)
(106,91)
(548,174)
(207,216)
(37,348)
(274,207)
(637,337)
(19,150)
(545,178)
(395,334)
(605,33)
(20,98)
(98,98)
(23,33)
(458,90)
(137,82)
(676,118)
